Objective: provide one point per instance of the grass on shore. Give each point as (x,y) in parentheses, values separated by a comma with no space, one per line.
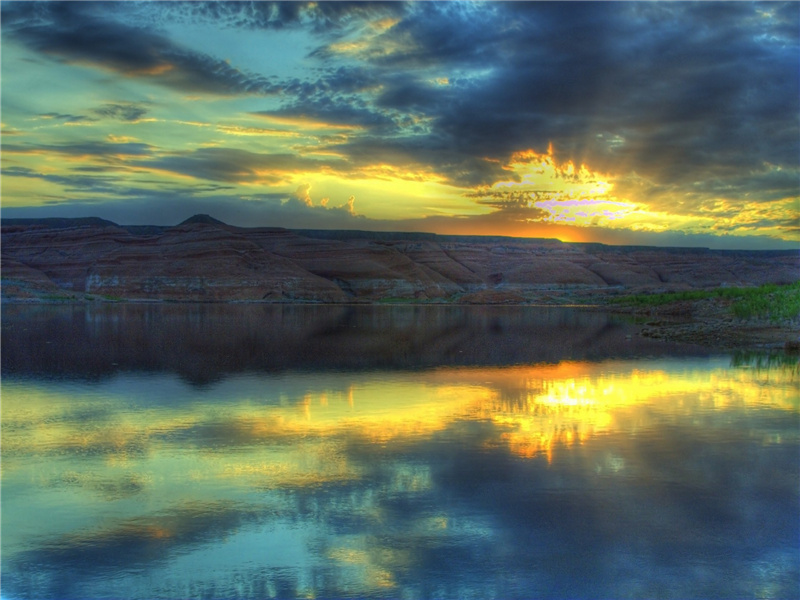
(771,301)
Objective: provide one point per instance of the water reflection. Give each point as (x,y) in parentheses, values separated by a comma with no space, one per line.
(666,477)
(206,342)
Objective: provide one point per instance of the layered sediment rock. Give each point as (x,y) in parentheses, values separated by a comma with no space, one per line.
(203,262)
(203,259)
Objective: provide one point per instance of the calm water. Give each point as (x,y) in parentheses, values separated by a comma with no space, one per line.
(400,452)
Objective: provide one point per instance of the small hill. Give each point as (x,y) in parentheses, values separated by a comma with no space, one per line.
(201,219)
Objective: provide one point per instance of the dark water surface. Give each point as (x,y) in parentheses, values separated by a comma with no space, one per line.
(208,451)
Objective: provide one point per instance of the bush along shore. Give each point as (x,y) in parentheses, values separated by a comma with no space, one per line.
(767,316)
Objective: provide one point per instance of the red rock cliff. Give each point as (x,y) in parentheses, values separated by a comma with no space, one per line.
(206,260)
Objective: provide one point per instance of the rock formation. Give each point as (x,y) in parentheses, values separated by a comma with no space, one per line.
(203,259)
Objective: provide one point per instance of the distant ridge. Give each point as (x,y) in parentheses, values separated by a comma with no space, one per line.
(201,219)
(209,261)
(59,222)
(417,236)
(11,225)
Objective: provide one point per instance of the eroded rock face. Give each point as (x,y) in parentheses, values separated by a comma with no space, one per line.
(21,281)
(203,259)
(195,261)
(204,262)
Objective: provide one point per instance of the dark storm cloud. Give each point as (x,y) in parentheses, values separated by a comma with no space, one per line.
(770,184)
(323,17)
(78,32)
(339,81)
(685,87)
(434,33)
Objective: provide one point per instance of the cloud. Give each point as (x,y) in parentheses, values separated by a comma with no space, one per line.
(321,17)
(66,118)
(233,165)
(318,105)
(419,157)
(123,111)
(98,149)
(87,33)
(302,194)
(71,183)
(687,106)
(516,204)
(684,88)
(300,205)
(105,182)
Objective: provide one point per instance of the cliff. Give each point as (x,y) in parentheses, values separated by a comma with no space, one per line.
(203,259)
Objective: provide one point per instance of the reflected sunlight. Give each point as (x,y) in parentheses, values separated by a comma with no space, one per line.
(254,455)
(533,408)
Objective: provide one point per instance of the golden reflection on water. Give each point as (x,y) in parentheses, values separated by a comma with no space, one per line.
(534,407)
(568,403)
(103,454)
(299,440)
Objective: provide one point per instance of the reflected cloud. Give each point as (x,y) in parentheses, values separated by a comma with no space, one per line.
(532,409)
(129,544)
(110,489)
(354,483)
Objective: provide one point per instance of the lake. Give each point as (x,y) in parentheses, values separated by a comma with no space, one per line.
(258,451)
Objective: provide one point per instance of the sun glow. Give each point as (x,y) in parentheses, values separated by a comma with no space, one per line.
(566,192)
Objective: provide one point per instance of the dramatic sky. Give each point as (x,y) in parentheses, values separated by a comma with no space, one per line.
(622,122)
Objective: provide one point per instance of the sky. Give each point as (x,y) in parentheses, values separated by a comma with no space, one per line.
(658,123)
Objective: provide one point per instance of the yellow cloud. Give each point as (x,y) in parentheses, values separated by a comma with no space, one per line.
(310,123)
(120,139)
(255,131)
(370,42)
(569,193)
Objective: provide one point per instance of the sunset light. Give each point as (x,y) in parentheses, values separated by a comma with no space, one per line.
(441,117)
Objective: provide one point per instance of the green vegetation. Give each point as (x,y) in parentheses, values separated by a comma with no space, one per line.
(773,302)
(662,299)
(765,361)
